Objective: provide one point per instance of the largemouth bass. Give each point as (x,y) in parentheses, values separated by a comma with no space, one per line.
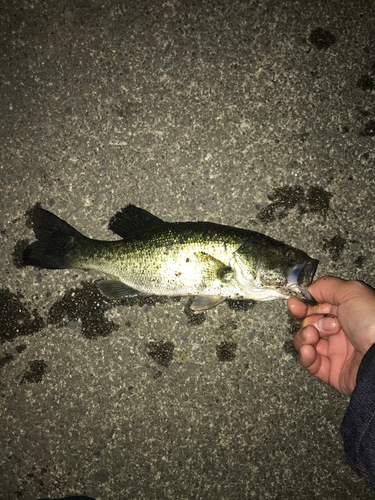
(209,261)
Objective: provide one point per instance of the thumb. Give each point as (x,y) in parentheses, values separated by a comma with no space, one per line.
(335,291)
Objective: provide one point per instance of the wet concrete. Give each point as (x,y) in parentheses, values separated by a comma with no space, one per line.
(254,114)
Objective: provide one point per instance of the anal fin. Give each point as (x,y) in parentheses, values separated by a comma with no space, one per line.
(202,303)
(115,289)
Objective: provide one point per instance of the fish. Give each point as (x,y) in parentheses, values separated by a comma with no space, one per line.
(208,261)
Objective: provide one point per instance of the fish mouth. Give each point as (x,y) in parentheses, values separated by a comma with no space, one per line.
(300,277)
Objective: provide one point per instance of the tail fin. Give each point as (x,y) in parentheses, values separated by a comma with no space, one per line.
(56,247)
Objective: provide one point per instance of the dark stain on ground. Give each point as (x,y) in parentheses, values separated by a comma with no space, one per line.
(289,348)
(7,358)
(317,200)
(283,199)
(362,112)
(321,38)
(226,351)
(365,156)
(158,374)
(17,255)
(16,319)
(35,372)
(161,352)
(293,326)
(303,136)
(240,305)
(227,329)
(335,246)
(87,306)
(144,301)
(102,476)
(312,200)
(359,261)
(369,129)
(365,82)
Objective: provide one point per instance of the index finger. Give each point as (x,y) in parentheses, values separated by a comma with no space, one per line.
(329,292)
(300,310)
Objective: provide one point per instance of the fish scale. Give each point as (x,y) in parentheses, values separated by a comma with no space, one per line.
(167,261)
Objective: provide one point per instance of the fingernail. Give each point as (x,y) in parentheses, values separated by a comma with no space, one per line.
(302,333)
(311,295)
(327,323)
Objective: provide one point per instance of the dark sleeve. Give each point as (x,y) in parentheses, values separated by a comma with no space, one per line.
(358,427)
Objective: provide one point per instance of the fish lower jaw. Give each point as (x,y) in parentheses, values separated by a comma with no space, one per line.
(261,294)
(298,291)
(252,289)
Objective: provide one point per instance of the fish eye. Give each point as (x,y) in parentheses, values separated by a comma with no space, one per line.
(290,253)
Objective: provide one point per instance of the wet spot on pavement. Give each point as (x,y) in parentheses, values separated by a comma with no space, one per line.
(312,200)
(35,372)
(369,129)
(321,39)
(84,306)
(335,246)
(161,352)
(226,351)
(16,319)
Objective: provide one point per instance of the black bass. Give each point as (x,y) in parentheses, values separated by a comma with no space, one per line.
(209,261)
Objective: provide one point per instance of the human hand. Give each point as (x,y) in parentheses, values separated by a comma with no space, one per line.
(336,332)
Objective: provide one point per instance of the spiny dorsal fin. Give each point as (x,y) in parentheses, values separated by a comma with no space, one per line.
(132,221)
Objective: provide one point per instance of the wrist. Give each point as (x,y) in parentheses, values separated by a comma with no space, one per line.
(365,363)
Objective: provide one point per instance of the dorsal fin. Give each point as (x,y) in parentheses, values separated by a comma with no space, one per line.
(132,221)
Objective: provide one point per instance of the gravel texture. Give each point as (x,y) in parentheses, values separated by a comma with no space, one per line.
(258,114)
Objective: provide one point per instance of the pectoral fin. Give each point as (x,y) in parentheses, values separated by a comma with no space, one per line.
(115,289)
(204,302)
(213,269)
